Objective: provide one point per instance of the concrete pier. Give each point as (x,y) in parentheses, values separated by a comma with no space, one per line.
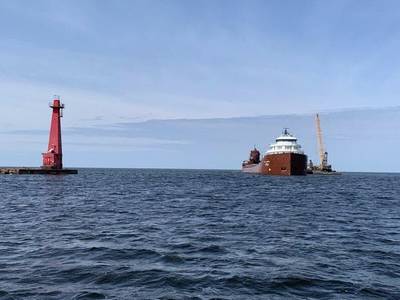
(36,171)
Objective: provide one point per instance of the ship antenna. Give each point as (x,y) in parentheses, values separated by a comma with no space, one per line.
(286,131)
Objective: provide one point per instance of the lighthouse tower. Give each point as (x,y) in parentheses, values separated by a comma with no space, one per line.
(52,159)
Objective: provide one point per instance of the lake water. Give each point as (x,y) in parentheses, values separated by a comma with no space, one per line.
(183,234)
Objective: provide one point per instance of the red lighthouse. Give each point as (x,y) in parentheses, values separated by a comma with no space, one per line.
(52,159)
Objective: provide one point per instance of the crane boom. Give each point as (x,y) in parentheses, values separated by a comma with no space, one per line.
(321,148)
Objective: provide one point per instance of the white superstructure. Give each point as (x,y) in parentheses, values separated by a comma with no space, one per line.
(285,143)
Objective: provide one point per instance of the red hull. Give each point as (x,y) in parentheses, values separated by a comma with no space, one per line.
(285,164)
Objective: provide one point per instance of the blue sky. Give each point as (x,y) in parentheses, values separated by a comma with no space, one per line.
(120,61)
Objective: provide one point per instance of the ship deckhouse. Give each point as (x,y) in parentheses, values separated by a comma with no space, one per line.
(285,143)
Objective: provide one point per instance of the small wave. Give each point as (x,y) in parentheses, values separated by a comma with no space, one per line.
(378,293)
(76,274)
(183,246)
(290,283)
(144,276)
(127,254)
(172,259)
(213,249)
(90,295)
(3,293)
(182,282)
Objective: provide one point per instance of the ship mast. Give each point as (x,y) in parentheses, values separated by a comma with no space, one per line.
(321,148)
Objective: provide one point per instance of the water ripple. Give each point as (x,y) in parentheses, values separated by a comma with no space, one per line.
(169,234)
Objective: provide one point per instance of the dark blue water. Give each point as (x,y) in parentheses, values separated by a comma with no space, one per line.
(167,234)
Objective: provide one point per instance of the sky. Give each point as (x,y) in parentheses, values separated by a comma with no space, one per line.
(120,63)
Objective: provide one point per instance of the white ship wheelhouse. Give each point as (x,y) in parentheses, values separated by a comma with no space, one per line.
(285,143)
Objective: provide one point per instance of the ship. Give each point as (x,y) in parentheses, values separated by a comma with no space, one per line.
(284,157)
